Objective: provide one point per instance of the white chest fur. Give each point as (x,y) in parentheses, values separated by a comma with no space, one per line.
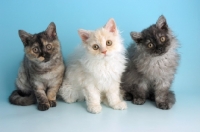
(84,70)
(106,71)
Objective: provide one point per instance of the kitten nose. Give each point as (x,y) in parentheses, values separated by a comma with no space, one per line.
(104,52)
(160,48)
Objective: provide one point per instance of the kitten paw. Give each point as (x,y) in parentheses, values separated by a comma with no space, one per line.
(95,109)
(43,107)
(138,101)
(120,106)
(52,103)
(164,105)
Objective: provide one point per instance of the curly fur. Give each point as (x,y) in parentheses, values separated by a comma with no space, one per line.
(93,74)
(41,73)
(149,73)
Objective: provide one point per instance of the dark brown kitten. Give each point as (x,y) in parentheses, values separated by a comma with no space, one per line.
(41,72)
(153,60)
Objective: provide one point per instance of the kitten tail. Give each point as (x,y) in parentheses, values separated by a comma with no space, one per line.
(19,98)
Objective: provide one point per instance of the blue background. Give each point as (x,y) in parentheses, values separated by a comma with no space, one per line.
(34,16)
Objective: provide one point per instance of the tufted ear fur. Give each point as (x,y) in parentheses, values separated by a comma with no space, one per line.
(51,31)
(162,23)
(24,36)
(111,26)
(136,36)
(84,34)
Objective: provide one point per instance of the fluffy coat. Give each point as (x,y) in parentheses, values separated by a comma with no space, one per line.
(41,72)
(153,61)
(95,69)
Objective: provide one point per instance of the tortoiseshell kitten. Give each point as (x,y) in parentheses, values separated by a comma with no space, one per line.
(153,60)
(41,72)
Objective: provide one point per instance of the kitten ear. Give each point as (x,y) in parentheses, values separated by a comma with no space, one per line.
(51,30)
(162,23)
(137,37)
(24,36)
(111,26)
(84,34)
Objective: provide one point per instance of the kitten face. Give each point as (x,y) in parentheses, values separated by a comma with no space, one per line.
(42,46)
(154,40)
(102,42)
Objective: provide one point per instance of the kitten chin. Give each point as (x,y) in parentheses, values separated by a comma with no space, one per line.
(153,60)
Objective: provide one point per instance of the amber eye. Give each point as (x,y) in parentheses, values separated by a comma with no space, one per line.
(108,42)
(150,45)
(162,39)
(35,50)
(49,46)
(95,47)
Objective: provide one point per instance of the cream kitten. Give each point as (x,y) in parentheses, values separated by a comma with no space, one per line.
(94,70)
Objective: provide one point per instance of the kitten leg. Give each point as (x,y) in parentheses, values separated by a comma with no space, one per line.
(139,93)
(115,98)
(51,95)
(43,103)
(163,97)
(92,96)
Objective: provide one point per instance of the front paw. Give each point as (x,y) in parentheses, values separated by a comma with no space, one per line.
(164,105)
(95,109)
(120,106)
(52,103)
(139,101)
(43,107)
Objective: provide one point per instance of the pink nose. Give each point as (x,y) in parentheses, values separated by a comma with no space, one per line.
(104,52)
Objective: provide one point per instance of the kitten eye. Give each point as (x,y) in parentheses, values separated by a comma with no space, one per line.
(95,47)
(49,46)
(162,39)
(108,42)
(35,50)
(150,45)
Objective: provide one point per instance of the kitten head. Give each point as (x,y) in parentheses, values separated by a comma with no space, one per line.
(102,42)
(154,40)
(41,47)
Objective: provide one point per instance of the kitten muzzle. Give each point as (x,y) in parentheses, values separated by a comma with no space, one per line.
(160,51)
(41,58)
(104,52)
(46,59)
